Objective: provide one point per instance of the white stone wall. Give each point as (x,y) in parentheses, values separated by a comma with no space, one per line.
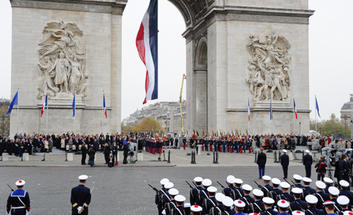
(101,46)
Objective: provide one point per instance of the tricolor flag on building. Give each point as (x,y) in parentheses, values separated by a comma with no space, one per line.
(249,110)
(45,105)
(147,47)
(295,109)
(105,107)
(74,106)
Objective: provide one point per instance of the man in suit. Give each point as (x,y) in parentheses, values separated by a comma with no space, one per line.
(261,162)
(285,163)
(307,161)
(80,197)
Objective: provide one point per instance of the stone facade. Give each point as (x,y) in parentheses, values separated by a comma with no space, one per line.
(166,113)
(347,114)
(99,23)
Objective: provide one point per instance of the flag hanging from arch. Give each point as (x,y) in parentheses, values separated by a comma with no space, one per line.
(147,47)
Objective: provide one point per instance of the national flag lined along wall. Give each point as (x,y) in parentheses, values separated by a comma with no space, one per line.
(74,106)
(317,107)
(105,107)
(147,47)
(295,109)
(14,102)
(45,105)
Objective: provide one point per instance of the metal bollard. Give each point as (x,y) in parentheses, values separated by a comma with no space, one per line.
(164,156)
(276,156)
(168,156)
(214,156)
(255,157)
(217,157)
(193,157)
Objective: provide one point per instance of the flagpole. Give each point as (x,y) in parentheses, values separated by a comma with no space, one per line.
(103,113)
(315,115)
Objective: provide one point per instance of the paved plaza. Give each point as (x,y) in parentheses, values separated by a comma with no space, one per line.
(122,191)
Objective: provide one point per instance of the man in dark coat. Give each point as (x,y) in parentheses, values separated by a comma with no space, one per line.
(307,161)
(261,162)
(84,154)
(80,197)
(285,163)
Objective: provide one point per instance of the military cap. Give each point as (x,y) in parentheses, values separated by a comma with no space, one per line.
(343,200)
(239,203)
(283,203)
(258,192)
(20,183)
(196,208)
(334,191)
(311,199)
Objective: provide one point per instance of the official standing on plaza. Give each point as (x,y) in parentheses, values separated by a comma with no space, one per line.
(285,163)
(261,162)
(18,202)
(308,162)
(80,197)
(84,154)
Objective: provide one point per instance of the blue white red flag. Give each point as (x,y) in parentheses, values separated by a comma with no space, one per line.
(249,110)
(14,102)
(45,104)
(147,47)
(105,107)
(74,106)
(295,109)
(317,107)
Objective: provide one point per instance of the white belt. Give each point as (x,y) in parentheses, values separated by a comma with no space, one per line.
(21,207)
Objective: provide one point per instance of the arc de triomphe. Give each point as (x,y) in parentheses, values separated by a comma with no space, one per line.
(238,52)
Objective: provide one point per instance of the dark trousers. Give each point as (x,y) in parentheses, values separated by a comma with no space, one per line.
(83,159)
(285,171)
(320,176)
(261,171)
(308,171)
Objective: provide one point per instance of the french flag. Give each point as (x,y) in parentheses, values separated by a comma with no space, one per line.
(105,107)
(45,105)
(248,110)
(295,109)
(147,47)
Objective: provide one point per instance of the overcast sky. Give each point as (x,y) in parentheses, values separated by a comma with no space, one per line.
(331,54)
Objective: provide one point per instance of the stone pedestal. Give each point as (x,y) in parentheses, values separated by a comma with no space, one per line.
(140,156)
(70,156)
(5,156)
(25,157)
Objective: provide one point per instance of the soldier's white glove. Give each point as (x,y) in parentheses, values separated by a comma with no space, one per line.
(80,209)
(164,212)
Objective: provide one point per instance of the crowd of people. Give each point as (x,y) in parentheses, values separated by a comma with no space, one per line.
(273,197)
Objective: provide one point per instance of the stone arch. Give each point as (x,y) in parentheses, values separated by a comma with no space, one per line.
(201,54)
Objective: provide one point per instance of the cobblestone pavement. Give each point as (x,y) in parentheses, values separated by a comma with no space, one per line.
(122,191)
(180,158)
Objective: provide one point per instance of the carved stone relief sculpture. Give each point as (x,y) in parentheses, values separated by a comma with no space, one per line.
(62,61)
(269,67)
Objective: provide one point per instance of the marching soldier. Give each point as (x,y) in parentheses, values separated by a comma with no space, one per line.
(307,189)
(237,187)
(217,210)
(267,188)
(18,202)
(206,183)
(268,206)
(334,193)
(345,190)
(258,205)
(227,205)
(298,204)
(170,202)
(329,207)
(276,192)
(159,195)
(320,194)
(196,210)
(283,207)
(312,209)
(195,193)
(230,190)
(179,203)
(80,197)
(343,203)
(239,207)
(297,181)
(247,199)
(329,182)
(285,192)
(210,201)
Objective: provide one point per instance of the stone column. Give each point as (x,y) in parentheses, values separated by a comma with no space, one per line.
(201,101)
(115,92)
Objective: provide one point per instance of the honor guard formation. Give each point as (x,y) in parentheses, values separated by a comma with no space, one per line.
(299,196)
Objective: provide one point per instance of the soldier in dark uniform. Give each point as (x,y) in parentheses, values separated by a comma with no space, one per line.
(217,210)
(258,205)
(307,162)
(343,203)
(298,181)
(283,207)
(261,162)
(160,194)
(80,197)
(307,189)
(285,192)
(230,190)
(276,192)
(312,209)
(195,193)
(247,199)
(84,154)
(211,200)
(238,191)
(268,206)
(285,163)
(18,202)
(298,204)
(239,207)
(320,194)
(345,191)
(267,188)
(170,202)
(179,203)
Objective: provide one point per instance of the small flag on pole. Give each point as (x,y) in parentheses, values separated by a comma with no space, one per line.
(45,104)
(13,103)
(271,116)
(249,110)
(105,107)
(295,109)
(74,106)
(317,107)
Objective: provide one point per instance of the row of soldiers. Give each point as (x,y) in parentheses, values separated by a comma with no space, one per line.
(274,197)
